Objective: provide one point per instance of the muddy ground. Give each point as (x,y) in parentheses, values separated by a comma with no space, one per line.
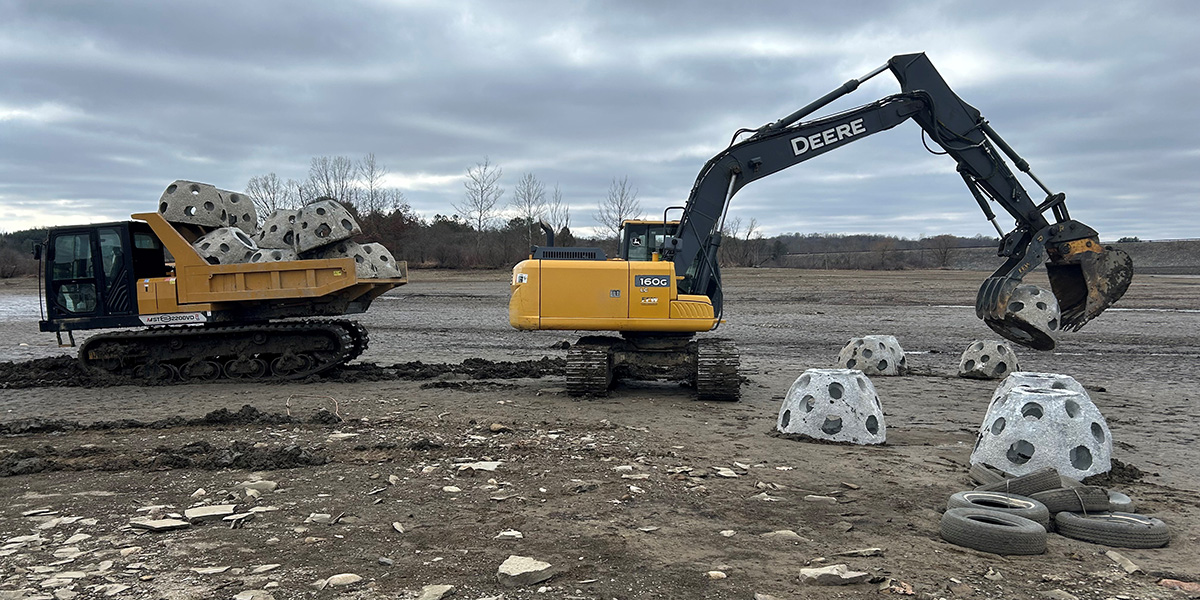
(619,494)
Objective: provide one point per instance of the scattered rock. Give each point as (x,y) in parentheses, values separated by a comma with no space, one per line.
(896,587)
(343,579)
(210,570)
(450,489)
(1058,595)
(726,472)
(254,595)
(716,575)
(1125,563)
(520,571)
(398,527)
(206,513)
(435,592)
(264,568)
(510,534)
(499,428)
(261,485)
(385,561)
(785,534)
(862,552)
(993,575)
(838,574)
(1190,587)
(159,524)
(821,499)
(483,465)
(728,533)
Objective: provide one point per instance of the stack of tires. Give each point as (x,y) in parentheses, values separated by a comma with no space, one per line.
(1013,515)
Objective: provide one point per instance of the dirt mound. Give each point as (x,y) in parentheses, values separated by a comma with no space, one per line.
(43,372)
(194,455)
(1120,474)
(247,415)
(475,368)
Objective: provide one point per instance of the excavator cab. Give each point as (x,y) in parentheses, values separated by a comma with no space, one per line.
(642,240)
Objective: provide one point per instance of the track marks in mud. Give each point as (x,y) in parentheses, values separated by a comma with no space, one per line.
(65,371)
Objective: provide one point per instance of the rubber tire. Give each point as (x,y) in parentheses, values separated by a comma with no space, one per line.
(1116,529)
(1119,502)
(1087,498)
(991,531)
(1010,504)
(983,474)
(1026,485)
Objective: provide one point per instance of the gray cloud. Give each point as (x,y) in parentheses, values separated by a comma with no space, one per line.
(103,105)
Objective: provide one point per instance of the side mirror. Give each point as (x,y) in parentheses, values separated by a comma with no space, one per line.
(37,252)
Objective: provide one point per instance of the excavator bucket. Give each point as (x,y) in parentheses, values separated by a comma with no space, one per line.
(1086,278)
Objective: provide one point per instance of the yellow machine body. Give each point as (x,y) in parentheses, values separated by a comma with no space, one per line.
(604,295)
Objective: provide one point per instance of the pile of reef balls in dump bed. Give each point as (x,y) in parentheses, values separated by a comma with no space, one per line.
(229,232)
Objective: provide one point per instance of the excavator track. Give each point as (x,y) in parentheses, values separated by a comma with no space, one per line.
(268,351)
(717,362)
(589,368)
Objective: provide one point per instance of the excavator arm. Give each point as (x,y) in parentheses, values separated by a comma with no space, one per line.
(1085,277)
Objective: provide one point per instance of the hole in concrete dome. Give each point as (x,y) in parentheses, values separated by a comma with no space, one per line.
(204,246)
(246,256)
(1053,324)
(241,235)
(998,426)
(1041,305)
(835,390)
(977,346)
(323,230)
(209,206)
(804,379)
(321,211)
(978,440)
(233,219)
(872,425)
(287,238)
(212,260)
(883,365)
(257,257)
(358,258)
(1032,410)
(368,249)
(162,207)
(303,224)
(384,257)
(985,358)
(277,255)
(1001,367)
(810,403)
(274,228)
(245,216)
(858,342)
(171,188)
(347,225)
(787,418)
(862,384)
(1081,458)
(1073,409)
(234,198)
(867,353)
(877,404)
(224,215)
(832,425)
(224,247)
(1098,432)
(194,189)
(1058,385)
(1016,307)
(850,363)
(190,211)
(1020,452)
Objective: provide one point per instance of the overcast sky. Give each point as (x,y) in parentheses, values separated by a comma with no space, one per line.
(103,104)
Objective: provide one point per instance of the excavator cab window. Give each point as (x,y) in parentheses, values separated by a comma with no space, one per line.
(641,239)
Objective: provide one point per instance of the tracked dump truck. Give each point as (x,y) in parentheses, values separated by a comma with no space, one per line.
(198,302)
(665,285)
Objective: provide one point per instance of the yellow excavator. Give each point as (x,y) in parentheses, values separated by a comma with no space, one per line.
(665,284)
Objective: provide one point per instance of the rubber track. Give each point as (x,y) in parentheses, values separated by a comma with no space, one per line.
(589,371)
(717,362)
(222,343)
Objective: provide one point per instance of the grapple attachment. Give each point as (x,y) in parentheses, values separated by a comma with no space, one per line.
(1087,278)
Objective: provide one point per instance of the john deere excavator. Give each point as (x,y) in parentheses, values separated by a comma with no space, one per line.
(665,286)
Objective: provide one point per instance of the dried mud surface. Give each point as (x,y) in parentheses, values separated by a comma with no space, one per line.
(621,494)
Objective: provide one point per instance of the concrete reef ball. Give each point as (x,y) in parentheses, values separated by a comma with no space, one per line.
(1031,427)
(225,246)
(873,355)
(194,203)
(839,405)
(277,230)
(987,359)
(322,223)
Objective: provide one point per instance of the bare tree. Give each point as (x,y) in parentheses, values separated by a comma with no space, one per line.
(529,200)
(620,204)
(271,194)
(942,248)
(332,176)
(478,207)
(558,213)
(373,196)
